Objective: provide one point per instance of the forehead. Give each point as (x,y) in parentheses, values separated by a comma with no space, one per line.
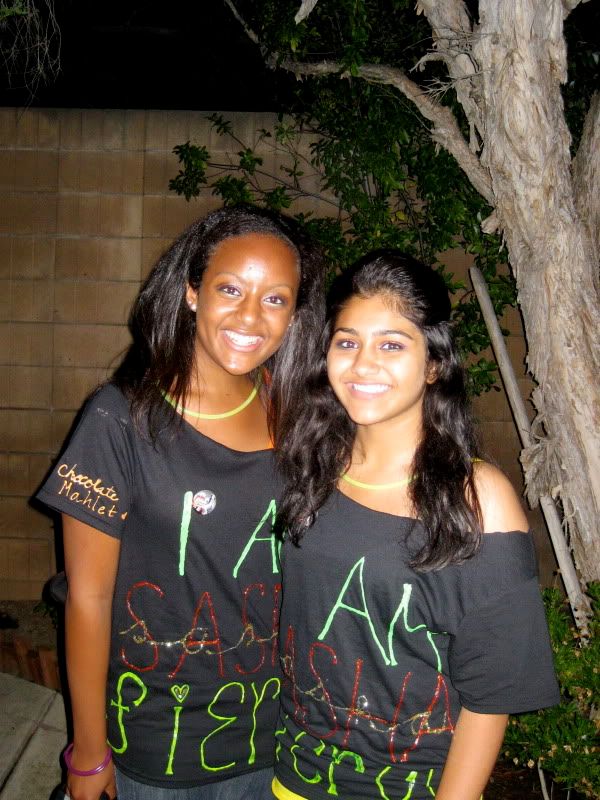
(377,312)
(259,249)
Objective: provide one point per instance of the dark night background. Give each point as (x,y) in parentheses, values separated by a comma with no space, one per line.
(193,54)
(161,55)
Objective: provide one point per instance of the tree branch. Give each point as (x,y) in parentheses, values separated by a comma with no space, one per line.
(586,177)
(453,35)
(249,32)
(446,131)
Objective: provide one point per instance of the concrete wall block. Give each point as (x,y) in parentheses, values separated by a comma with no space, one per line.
(4,385)
(135,129)
(90,170)
(8,160)
(31,344)
(25,430)
(158,168)
(19,520)
(27,128)
(114,300)
(28,214)
(22,589)
(156,130)
(72,386)
(48,128)
(62,425)
(178,128)
(24,473)
(29,387)
(92,128)
(120,259)
(70,129)
(5,300)
(31,301)
(152,250)
(113,129)
(69,170)
(77,257)
(200,128)
(153,216)
(6,333)
(120,215)
(5,257)
(17,558)
(132,173)
(40,557)
(89,345)
(8,127)
(36,170)
(179,214)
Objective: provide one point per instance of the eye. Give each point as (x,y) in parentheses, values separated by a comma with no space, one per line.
(276,300)
(345,344)
(229,289)
(393,346)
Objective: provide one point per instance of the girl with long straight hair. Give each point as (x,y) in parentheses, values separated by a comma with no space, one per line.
(167,492)
(412,622)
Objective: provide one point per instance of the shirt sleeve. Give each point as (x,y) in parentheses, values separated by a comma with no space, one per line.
(500,657)
(92,479)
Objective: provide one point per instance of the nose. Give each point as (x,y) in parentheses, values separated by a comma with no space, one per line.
(364,362)
(248,310)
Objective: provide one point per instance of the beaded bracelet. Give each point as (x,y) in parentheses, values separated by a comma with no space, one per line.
(85,773)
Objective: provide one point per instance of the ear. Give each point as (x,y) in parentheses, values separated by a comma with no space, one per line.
(191,296)
(431,375)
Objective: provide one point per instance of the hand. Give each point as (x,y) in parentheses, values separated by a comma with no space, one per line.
(92,787)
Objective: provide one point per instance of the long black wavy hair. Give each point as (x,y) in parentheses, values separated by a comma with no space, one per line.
(316,445)
(162,326)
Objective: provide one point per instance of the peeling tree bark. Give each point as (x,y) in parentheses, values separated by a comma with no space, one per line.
(520,50)
(507,70)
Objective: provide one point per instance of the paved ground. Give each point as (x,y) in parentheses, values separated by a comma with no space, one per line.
(32,735)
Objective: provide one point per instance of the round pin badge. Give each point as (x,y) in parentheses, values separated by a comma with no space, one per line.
(204,501)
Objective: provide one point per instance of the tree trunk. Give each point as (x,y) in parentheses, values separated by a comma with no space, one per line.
(520,51)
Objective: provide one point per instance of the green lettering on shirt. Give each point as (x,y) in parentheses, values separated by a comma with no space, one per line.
(316,778)
(337,758)
(121,709)
(275,546)
(226,723)
(389,657)
(184,529)
(258,698)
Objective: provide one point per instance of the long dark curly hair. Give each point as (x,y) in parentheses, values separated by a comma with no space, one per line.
(162,326)
(316,444)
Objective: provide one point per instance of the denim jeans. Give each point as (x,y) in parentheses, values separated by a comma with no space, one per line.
(250,786)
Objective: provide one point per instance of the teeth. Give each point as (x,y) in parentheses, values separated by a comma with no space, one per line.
(370,388)
(240,339)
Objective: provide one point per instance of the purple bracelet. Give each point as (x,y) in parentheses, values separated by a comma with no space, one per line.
(85,773)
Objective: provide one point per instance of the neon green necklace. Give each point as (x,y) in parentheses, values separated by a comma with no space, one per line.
(378,487)
(199,415)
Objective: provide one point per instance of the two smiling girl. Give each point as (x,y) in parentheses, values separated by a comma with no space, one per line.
(411,616)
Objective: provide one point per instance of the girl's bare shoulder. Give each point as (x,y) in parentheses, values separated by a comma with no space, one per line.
(501,507)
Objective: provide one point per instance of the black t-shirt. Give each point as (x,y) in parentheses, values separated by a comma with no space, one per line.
(194,674)
(380,659)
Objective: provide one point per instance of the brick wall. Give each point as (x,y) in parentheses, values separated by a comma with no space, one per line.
(84,212)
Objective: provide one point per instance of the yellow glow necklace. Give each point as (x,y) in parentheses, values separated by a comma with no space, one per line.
(378,487)
(200,415)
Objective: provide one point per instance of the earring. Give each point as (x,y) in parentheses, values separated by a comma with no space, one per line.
(192,307)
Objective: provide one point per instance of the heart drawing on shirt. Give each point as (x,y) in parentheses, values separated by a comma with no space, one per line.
(180,692)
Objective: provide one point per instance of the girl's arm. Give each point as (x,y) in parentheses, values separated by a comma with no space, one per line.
(475,745)
(91,560)
(478,737)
